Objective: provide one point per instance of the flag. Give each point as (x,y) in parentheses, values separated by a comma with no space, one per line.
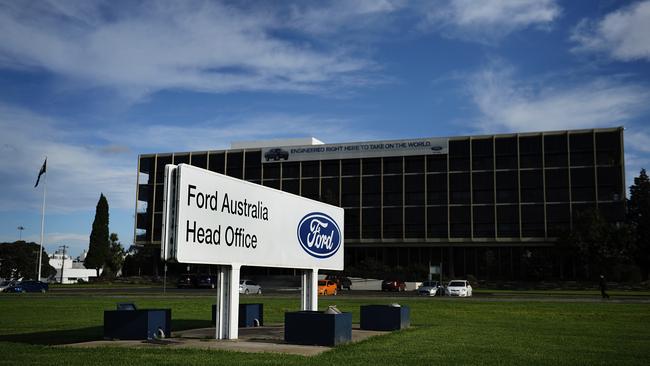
(43,169)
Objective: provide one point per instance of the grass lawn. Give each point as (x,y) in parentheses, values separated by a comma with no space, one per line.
(443,332)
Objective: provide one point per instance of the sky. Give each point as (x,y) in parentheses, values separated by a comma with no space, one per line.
(92,84)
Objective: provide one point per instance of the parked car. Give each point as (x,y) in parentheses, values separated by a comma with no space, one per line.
(459,288)
(327,287)
(276,154)
(28,286)
(186,281)
(431,288)
(206,281)
(393,285)
(342,282)
(5,284)
(249,287)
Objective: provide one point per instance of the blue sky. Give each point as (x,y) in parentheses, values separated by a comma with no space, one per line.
(92,84)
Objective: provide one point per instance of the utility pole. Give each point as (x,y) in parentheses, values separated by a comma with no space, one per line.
(64,247)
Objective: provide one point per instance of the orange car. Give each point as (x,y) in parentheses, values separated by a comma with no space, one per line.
(326,287)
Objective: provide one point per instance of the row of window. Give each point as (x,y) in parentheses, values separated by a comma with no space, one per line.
(486,154)
(455,221)
(463,188)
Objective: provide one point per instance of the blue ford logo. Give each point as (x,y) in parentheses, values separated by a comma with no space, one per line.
(319,235)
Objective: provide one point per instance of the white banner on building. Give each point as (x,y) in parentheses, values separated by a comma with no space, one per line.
(215,219)
(371,149)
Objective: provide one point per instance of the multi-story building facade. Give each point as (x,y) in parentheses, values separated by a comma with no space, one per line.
(482,205)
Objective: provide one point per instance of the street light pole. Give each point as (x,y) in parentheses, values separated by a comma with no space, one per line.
(64,247)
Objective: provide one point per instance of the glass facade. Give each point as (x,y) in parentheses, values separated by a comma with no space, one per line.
(508,190)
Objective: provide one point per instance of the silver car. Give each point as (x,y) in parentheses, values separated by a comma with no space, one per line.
(249,287)
(431,288)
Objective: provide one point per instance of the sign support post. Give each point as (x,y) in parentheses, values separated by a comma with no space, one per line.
(227,308)
(309,290)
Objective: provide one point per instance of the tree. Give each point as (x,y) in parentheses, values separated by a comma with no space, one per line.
(19,259)
(597,244)
(99,246)
(639,219)
(115,257)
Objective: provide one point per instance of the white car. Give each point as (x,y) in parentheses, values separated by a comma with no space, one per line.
(459,288)
(249,287)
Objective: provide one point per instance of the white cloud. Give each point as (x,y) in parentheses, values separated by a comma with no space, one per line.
(508,105)
(623,34)
(84,162)
(142,47)
(76,172)
(489,20)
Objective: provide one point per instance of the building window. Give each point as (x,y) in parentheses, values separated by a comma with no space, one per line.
(483,187)
(555,151)
(530,151)
(414,164)
(371,191)
(217,162)
(350,166)
(393,165)
(582,149)
(330,191)
(200,160)
(459,188)
(436,163)
(253,168)
(370,223)
(290,170)
(234,164)
(351,229)
(608,148)
(507,189)
(484,221)
(414,222)
(460,221)
(459,155)
(506,152)
(558,219)
(531,186)
(330,168)
(350,192)
(532,220)
(310,169)
(437,189)
(371,166)
(482,154)
(437,222)
(508,221)
(557,185)
(582,184)
(414,190)
(393,223)
(271,170)
(393,192)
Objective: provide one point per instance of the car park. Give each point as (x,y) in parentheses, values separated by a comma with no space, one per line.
(431,288)
(327,287)
(460,288)
(249,287)
(393,285)
(28,286)
(186,281)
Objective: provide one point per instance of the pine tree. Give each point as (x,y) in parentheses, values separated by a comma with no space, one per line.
(99,247)
(639,218)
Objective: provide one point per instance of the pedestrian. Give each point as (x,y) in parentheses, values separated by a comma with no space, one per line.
(603,287)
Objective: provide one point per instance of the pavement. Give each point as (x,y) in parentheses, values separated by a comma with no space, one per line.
(259,339)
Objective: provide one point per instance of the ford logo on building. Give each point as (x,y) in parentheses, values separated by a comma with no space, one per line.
(319,235)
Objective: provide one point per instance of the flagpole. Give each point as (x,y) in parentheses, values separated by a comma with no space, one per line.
(40,252)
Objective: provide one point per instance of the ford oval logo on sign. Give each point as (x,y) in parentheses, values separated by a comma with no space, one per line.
(319,235)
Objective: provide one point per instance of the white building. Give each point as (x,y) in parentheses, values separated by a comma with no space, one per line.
(73,269)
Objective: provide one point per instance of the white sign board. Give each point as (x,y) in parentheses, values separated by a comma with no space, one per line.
(211,218)
(372,149)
